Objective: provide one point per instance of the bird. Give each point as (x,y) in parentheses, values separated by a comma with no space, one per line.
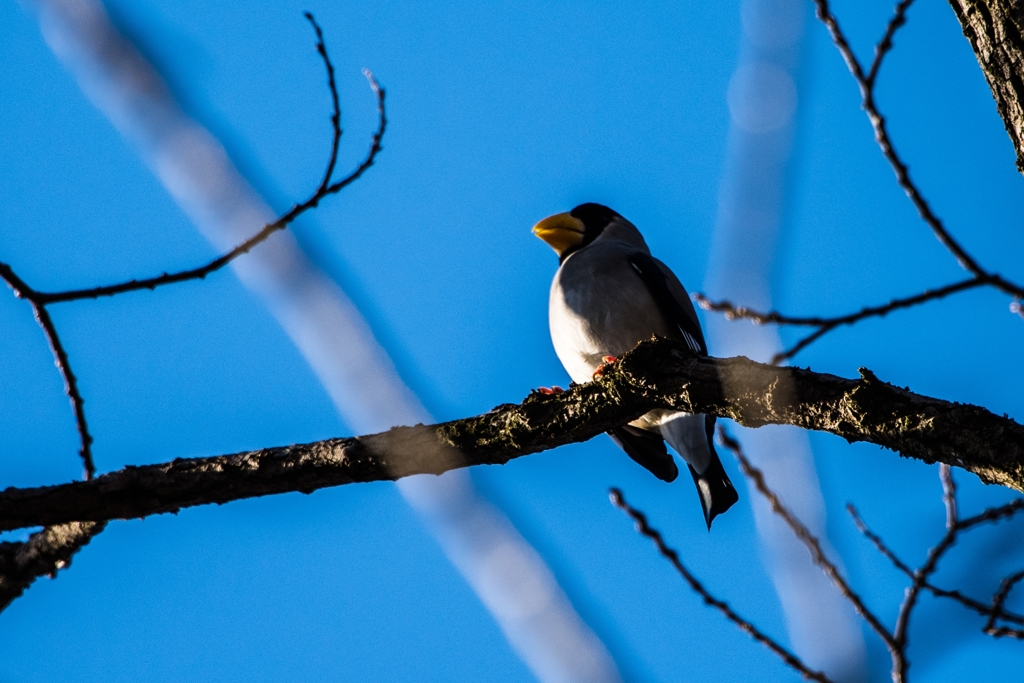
(609,294)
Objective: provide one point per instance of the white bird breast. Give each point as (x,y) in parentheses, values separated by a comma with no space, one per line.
(599,307)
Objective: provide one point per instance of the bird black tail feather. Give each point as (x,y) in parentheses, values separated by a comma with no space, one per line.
(647,449)
(717,494)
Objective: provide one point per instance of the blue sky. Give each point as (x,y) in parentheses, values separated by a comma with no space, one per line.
(501,114)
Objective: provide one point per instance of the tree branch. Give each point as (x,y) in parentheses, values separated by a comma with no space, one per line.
(645,529)
(995,30)
(44,553)
(657,374)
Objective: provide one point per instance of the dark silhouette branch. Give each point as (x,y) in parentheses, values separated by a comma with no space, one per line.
(866,82)
(827,324)
(813,545)
(60,360)
(43,554)
(645,529)
(997,609)
(657,374)
(39,300)
(52,547)
(954,527)
(325,190)
(899,167)
(899,17)
(321,49)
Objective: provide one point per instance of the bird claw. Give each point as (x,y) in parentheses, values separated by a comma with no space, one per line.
(606,361)
(552,390)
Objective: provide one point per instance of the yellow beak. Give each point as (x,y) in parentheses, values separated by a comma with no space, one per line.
(561,231)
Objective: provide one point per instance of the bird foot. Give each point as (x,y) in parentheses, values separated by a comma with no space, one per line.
(607,360)
(553,390)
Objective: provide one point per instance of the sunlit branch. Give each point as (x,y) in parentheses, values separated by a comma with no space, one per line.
(43,554)
(658,374)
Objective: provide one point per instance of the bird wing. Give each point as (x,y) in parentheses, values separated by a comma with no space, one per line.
(647,449)
(674,306)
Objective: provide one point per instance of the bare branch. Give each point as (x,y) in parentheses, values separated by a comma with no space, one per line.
(921,575)
(991,515)
(325,189)
(60,359)
(321,48)
(901,170)
(812,544)
(899,18)
(993,28)
(658,374)
(43,554)
(1013,116)
(826,325)
(997,609)
(790,659)
(39,300)
(245,247)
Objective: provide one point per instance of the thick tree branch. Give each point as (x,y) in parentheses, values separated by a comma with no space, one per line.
(995,29)
(43,554)
(657,374)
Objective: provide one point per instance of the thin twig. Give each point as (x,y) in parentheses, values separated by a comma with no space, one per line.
(40,300)
(321,48)
(792,660)
(899,18)
(866,83)
(921,575)
(812,544)
(804,534)
(245,247)
(997,609)
(60,360)
(826,325)
(990,515)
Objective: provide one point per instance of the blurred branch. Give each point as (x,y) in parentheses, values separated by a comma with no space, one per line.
(789,658)
(325,189)
(1001,54)
(39,300)
(52,547)
(994,30)
(657,374)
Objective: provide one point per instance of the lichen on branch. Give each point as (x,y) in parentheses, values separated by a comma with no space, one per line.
(657,374)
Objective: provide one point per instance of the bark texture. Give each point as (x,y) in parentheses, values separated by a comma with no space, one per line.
(44,553)
(657,374)
(994,29)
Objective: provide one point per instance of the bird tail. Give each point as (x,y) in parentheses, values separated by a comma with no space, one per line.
(717,494)
(692,436)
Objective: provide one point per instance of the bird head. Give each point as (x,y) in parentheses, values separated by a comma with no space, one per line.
(570,231)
